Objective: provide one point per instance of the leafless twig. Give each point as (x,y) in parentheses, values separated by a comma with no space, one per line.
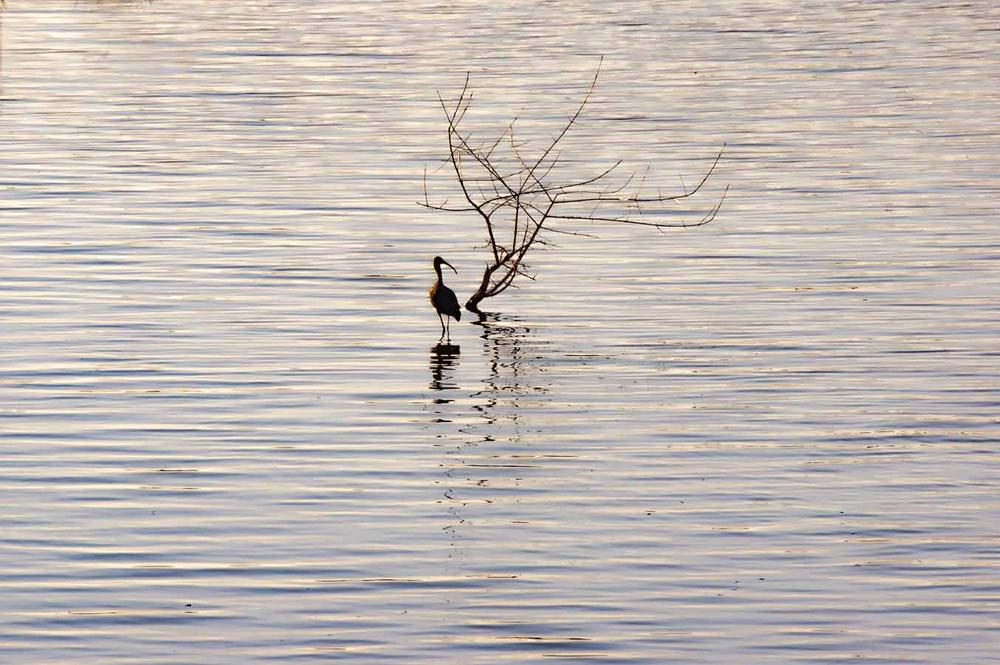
(520,199)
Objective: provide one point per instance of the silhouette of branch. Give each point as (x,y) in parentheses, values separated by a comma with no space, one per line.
(518,198)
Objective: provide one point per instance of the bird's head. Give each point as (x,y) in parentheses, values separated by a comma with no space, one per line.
(437,264)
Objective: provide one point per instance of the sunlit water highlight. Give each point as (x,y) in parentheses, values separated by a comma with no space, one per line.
(229,434)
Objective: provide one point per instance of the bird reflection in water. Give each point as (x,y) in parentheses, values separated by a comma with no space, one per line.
(443,363)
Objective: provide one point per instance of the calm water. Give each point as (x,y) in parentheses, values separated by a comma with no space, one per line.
(228,435)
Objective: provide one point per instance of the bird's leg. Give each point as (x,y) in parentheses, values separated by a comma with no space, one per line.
(441,319)
(447,323)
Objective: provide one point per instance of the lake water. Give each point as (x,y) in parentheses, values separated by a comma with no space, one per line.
(228,432)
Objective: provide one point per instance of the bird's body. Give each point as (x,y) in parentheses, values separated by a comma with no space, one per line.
(444,300)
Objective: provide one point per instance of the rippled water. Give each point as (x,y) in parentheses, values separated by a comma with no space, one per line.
(229,434)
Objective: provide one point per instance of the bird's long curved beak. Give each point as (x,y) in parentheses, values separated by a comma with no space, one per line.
(450,266)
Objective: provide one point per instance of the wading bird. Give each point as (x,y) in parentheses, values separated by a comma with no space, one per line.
(444,299)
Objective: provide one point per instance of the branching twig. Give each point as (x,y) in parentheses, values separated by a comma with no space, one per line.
(518,198)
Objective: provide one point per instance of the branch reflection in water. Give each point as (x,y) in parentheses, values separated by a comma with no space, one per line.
(514,368)
(488,449)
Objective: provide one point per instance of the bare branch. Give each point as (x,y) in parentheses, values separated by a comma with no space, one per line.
(518,197)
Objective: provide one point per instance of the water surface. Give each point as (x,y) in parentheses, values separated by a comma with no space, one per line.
(229,434)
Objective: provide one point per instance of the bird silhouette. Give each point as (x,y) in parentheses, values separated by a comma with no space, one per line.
(444,299)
